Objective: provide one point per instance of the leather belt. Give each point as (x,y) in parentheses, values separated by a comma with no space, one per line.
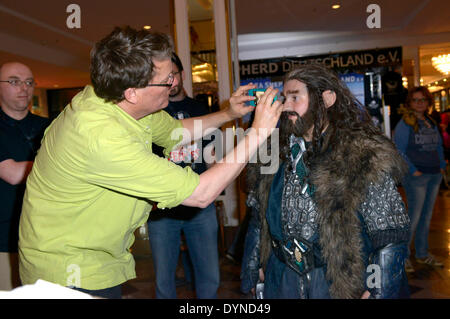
(297,253)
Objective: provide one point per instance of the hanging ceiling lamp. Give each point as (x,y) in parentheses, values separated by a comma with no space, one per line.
(442,63)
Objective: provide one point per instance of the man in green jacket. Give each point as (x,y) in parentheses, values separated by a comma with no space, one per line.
(95,177)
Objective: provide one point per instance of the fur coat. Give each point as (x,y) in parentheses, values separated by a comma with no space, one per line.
(341,179)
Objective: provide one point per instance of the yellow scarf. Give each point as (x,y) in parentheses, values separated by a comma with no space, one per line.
(410,118)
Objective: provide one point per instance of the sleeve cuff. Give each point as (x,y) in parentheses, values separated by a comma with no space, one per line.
(185,190)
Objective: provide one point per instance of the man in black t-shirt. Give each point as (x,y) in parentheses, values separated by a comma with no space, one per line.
(20,136)
(198,225)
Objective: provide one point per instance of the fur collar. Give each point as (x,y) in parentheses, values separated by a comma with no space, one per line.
(341,178)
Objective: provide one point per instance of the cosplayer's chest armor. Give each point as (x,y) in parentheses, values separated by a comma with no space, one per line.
(298,210)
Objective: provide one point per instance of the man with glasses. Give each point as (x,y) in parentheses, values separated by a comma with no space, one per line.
(96,177)
(20,136)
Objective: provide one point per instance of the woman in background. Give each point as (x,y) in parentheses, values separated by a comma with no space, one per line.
(418,140)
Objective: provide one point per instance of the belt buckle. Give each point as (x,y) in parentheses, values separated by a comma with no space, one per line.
(298,255)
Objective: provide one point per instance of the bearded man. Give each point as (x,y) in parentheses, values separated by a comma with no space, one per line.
(330,222)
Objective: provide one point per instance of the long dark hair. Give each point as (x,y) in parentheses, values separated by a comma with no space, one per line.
(347,115)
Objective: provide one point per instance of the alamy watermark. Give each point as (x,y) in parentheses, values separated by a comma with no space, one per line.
(374,19)
(73,276)
(223,143)
(374,279)
(74,19)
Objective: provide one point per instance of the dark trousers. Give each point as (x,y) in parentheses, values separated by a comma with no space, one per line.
(107,293)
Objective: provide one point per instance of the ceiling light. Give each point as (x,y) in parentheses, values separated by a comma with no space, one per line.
(442,63)
(435,88)
(147,27)
(336,6)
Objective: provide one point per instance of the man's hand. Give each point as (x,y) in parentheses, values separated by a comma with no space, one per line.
(261,279)
(212,121)
(365,295)
(13,172)
(238,99)
(267,112)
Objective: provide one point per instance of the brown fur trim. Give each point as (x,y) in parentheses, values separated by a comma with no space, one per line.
(342,179)
(261,184)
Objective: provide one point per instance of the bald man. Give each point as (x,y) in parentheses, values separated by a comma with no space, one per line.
(20,135)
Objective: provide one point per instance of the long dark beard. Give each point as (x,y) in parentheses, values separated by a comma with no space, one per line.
(301,127)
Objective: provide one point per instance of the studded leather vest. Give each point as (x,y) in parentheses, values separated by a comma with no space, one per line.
(298,211)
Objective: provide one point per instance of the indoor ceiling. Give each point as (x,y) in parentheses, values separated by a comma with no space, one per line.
(299,28)
(35,32)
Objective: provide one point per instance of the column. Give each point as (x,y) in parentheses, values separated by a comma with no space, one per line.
(183,42)
(416,66)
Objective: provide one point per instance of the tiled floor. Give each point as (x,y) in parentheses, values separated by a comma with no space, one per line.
(425,282)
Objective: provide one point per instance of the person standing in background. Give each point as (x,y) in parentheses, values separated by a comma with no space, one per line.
(198,225)
(418,140)
(20,137)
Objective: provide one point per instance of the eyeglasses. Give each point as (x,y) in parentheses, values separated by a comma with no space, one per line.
(168,83)
(18,83)
(419,100)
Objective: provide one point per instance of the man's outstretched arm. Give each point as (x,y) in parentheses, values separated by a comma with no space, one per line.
(221,174)
(210,122)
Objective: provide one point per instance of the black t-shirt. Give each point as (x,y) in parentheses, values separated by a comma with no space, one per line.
(19,140)
(187,156)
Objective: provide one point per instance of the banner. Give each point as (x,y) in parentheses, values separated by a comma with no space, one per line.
(355,83)
(356,60)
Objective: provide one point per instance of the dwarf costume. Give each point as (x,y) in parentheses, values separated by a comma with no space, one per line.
(333,230)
